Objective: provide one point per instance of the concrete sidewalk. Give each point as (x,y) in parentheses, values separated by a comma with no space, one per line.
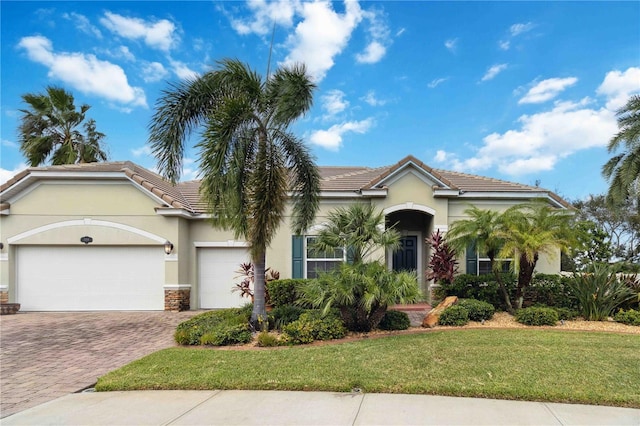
(307,408)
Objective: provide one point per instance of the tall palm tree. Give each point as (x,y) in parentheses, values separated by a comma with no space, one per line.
(622,170)
(49,130)
(360,229)
(248,158)
(482,232)
(529,230)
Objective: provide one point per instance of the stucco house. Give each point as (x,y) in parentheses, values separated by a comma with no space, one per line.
(115,236)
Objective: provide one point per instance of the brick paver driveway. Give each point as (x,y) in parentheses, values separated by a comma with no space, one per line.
(44,356)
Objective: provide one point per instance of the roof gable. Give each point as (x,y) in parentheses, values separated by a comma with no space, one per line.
(411,163)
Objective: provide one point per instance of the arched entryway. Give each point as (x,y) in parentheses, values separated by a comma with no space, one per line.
(414,225)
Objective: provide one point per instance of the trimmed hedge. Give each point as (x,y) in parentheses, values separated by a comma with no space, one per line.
(313,326)
(455,315)
(224,325)
(477,309)
(394,320)
(284,292)
(630,317)
(537,315)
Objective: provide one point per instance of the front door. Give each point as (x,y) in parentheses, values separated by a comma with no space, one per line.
(406,257)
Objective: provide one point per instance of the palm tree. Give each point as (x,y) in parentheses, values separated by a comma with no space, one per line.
(248,158)
(360,229)
(481,232)
(49,130)
(623,169)
(529,230)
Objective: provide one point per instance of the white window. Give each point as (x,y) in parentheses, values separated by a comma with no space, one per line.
(317,262)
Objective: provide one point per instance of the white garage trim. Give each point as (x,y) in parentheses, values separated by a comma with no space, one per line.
(85,222)
(229,243)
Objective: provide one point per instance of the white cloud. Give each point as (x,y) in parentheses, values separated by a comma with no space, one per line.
(9,144)
(372,54)
(5,174)
(619,86)
(400,32)
(547,89)
(153,71)
(321,35)
(144,150)
(333,102)
(441,156)
(436,82)
(451,44)
(517,29)
(543,139)
(84,72)
(331,139)
(504,44)
(372,100)
(158,35)
(265,15)
(181,70)
(493,71)
(83,24)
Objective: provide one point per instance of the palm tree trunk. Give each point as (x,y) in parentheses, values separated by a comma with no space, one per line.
(503,289)
(259,313)
(525,275)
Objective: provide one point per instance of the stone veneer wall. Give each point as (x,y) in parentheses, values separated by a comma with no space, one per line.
(177,300)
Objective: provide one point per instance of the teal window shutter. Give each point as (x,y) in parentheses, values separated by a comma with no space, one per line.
(350,255)
(472,259)
(297,259)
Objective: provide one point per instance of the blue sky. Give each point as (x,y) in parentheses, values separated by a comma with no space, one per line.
(513,90)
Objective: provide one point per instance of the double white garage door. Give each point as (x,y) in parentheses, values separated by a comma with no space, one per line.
(90,278)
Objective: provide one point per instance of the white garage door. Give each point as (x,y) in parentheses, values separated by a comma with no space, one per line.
(87,278)
(217,276)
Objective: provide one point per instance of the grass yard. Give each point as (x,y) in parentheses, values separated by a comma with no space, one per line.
(534,365)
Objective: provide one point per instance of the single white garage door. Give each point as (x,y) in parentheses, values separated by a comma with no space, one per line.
(217,276)
(88,278)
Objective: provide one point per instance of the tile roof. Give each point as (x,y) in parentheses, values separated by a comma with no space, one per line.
(185,195)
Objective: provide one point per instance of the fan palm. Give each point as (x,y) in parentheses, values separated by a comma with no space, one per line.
(248,158)
(622,170)
(481,232)
(49,130)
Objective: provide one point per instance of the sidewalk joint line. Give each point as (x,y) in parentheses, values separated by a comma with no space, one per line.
(358,412)
(216,392)
(552,413)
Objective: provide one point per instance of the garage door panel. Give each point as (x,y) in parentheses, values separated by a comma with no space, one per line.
(217,276)
(90,278)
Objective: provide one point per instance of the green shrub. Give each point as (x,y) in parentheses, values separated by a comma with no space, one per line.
(537,315)
(394,320)
(477,309)
(313,326)
(566,314)
(284,292)
(630,317)
(190,332)
(362,292)
(227,334)
(454,315)
(479,287)
(599,292)
(266,339)
(284,314)
(549,290)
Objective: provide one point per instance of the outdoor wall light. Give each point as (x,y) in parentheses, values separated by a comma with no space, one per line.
(1,246)
(86,240)
(168,247)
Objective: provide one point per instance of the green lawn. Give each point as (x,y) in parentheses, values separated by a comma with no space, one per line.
(536,365)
